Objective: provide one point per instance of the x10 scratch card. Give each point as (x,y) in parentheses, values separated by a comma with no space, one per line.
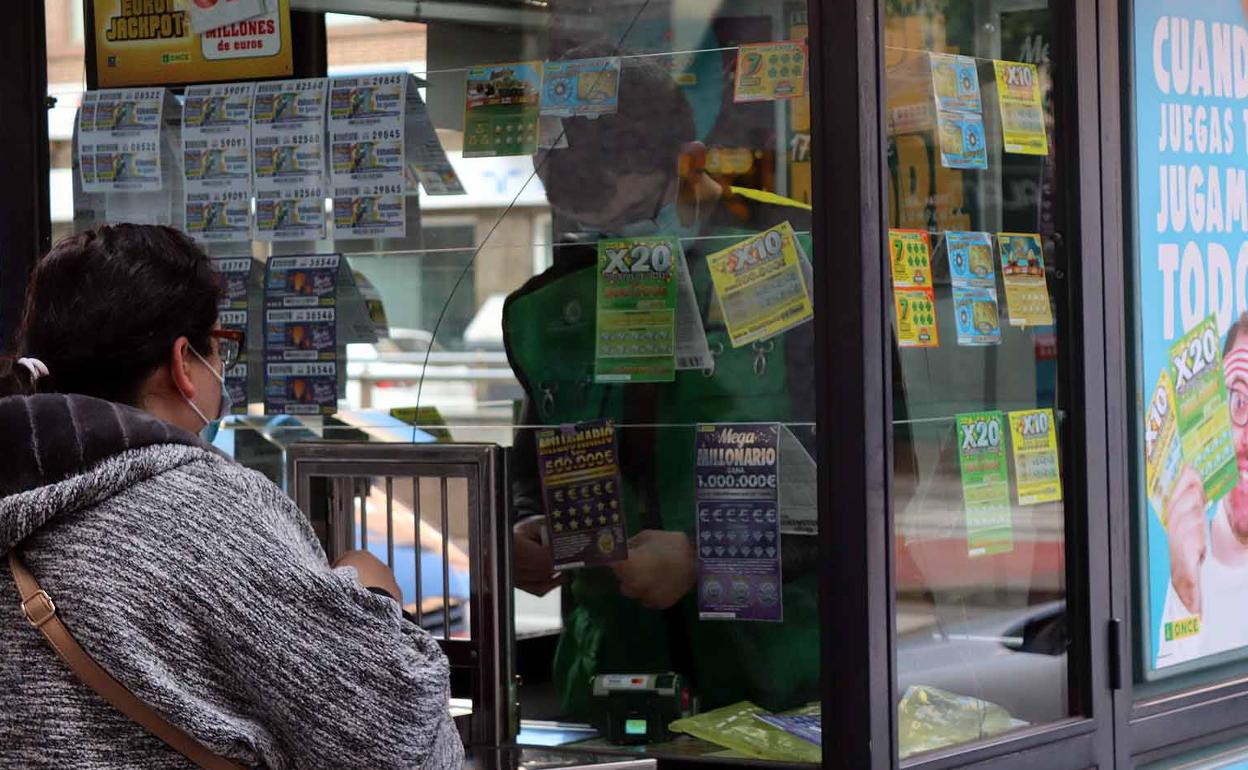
(1022,114)
(1204,416)
(580,472)
(1033,433)
(760,286)
(1163,452)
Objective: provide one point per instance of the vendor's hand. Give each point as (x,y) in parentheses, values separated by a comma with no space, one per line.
(1186,533)
(373,572)
(661,568)
(535,570)
(697,193)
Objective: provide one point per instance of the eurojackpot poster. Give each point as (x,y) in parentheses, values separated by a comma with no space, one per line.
(1190,80)
(150,42)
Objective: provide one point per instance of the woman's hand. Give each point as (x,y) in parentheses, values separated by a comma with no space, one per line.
(373,572)
(661,568)
(534,568)
(1186,532)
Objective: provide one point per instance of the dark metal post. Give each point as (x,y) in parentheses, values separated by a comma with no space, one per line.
(25,225)
(854,411)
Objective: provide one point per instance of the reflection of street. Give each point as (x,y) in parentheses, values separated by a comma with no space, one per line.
(471,390)
(991,627)
(931,544)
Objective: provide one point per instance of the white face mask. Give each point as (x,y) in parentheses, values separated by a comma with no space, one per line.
(222,410)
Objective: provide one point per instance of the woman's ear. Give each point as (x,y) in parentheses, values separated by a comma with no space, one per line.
(180,361)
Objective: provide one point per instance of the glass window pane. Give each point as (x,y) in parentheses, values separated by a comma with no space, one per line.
(605,266)
(980,414)
(681,176)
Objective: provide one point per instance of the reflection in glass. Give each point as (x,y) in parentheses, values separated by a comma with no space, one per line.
(679,161)
(490,314)
(979,415)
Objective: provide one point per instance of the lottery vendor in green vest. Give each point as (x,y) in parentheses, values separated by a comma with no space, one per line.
(632,173)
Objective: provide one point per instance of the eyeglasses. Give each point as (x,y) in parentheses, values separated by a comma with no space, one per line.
(229,346)
(1239,404)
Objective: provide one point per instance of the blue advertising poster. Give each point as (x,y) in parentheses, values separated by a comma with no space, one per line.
(1191,248)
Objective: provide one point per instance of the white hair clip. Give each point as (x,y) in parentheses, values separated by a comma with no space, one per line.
(36,368)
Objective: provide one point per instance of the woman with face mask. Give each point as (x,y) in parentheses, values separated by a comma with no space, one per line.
(192,581)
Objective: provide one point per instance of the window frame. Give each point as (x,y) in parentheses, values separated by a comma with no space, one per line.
(854,330)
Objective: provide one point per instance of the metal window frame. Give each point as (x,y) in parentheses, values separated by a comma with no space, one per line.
(853,337)
(26,227)
(489,654)
(1215,712)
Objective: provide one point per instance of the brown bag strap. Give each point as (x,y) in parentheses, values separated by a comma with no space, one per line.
(38,608)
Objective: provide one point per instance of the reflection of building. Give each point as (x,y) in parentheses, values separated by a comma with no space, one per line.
(415,276)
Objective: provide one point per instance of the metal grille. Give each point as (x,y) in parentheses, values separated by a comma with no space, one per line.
(451,496)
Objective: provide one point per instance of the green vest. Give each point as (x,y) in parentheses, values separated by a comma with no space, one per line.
(549,330)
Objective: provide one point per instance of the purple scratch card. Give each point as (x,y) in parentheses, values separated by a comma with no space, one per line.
(581,488)
(738,522)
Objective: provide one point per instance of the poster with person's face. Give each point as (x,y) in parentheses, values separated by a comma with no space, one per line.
(1190,382)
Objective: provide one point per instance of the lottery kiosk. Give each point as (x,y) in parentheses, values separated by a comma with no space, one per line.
(714,375)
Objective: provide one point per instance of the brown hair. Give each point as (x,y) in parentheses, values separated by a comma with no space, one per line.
(104,308)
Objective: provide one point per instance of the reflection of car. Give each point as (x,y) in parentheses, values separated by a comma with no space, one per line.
(387,375)
(1015,658)
(407,341)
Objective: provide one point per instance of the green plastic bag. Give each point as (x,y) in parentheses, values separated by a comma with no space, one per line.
(928,719)
(737,727)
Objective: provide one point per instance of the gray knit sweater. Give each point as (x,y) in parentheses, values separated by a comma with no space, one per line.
(202,588)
